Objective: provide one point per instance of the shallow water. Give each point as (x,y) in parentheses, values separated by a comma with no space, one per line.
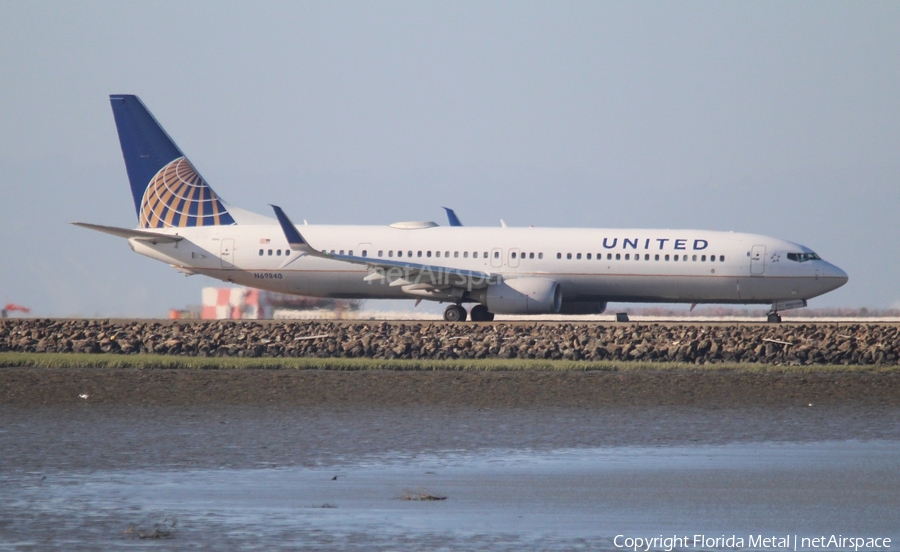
(556,479)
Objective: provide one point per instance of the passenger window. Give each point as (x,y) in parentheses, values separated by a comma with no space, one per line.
(656,257)
(437,254)
(278,253)
(270,252)
(391,253)
(578,256)
(496,254)
(618,256)
(287,252)
(350,252)
(646,256)
(609,256)
(446,254)
(399,253)
(675,258)
(260,252)
(365,253)
(703,258)
(456,254)
(712,258)
(465,254)
(721,258)
(559,255)
(428,254)
(513,254)
(418,254)
(694,258)
(531,255)
(409,253)
(667,257)
(588,256)
(540,255)
(627,256)
(568,255)
(381,252)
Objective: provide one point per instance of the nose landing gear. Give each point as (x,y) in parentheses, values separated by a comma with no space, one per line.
(775,318)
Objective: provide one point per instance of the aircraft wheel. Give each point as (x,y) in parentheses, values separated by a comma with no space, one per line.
(480,313)
(773,318)
(454,313)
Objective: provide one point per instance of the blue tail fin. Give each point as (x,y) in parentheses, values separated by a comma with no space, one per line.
(167,190)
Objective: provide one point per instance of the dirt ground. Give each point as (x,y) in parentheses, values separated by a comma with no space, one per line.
(42,386)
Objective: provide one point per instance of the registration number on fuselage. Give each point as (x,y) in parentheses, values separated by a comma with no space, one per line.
(268,275)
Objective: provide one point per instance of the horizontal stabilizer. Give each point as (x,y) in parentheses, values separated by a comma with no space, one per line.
(127,233)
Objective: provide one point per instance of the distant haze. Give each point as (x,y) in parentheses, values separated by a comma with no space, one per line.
(780,118)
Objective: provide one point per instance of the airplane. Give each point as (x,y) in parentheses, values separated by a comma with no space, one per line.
(505,270)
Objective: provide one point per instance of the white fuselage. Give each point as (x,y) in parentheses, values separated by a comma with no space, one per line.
(632,265)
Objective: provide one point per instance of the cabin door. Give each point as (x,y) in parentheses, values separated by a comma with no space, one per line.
(758,260)
(226,253)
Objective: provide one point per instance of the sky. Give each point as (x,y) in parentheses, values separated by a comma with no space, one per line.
(777,118)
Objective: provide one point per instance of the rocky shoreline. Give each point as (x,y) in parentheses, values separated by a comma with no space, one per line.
(795,344)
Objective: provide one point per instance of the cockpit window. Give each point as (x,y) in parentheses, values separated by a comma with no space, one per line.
(803,257)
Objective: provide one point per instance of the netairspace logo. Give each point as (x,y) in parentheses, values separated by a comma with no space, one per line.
(751,542)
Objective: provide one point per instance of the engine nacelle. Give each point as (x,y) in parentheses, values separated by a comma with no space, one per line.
(524,296)
(583,307)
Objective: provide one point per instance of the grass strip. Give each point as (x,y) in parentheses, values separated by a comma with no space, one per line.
(170,362)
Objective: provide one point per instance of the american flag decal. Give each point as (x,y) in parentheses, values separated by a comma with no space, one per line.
(264,240)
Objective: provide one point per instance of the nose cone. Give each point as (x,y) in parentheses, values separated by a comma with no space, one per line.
(835,275)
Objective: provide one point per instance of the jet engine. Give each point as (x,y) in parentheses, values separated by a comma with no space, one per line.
(583,307)
(524,296)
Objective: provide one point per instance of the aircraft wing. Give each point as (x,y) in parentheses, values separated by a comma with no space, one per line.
(127,233)
(409,275)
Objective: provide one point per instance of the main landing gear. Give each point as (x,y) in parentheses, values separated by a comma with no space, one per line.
(773,318)
(455,313)
(480,313)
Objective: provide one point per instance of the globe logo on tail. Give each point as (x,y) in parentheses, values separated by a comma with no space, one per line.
(177,196)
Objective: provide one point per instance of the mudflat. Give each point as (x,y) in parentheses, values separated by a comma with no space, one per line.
(94,458)
(29,386)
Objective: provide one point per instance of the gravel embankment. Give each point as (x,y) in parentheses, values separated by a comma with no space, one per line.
(803,344)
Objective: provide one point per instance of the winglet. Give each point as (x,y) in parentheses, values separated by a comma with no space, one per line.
(451,216)
(295,240)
